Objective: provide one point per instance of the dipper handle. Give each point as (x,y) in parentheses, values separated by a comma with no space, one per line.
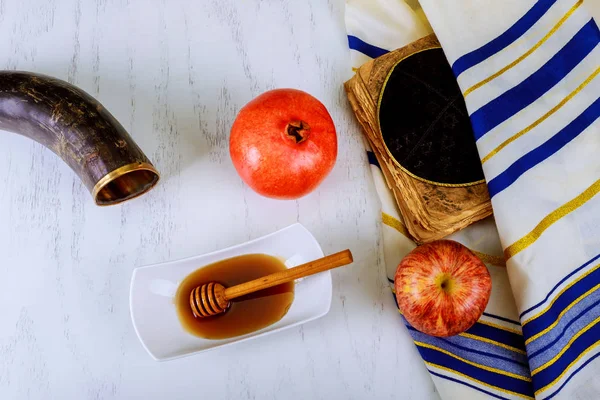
(277,278)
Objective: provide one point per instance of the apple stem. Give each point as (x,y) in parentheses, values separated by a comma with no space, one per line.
(298,131)
(446,283)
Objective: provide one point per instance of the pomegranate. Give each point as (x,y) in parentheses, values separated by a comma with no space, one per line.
(283,143)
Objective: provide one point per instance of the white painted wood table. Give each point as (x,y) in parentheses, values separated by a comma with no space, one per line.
(175,73)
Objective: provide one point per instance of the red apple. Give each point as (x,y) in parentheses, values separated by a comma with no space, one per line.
(442,288)
(283,143)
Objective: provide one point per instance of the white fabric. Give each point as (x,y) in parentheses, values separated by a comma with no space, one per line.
(401,26)
(543,176)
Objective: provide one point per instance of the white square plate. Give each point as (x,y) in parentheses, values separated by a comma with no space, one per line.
(153,289)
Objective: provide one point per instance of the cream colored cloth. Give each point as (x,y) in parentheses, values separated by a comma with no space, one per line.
(495,342)
(528,71)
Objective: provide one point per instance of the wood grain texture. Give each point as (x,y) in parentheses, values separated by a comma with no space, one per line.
(175,73)
(310,268)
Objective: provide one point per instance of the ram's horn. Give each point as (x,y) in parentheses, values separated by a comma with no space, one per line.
(76,127)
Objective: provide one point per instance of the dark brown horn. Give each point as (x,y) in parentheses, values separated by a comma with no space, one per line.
(80,130)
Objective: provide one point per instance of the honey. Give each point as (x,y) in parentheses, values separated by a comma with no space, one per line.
(246,314)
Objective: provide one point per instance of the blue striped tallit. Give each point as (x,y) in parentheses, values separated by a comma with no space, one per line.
(489,359)
(529,73)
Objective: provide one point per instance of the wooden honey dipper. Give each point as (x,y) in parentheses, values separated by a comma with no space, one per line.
(213,298)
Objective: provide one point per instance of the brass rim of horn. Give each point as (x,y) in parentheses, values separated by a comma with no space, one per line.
(125,183)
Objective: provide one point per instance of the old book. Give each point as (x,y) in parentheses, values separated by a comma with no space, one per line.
(414,116)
